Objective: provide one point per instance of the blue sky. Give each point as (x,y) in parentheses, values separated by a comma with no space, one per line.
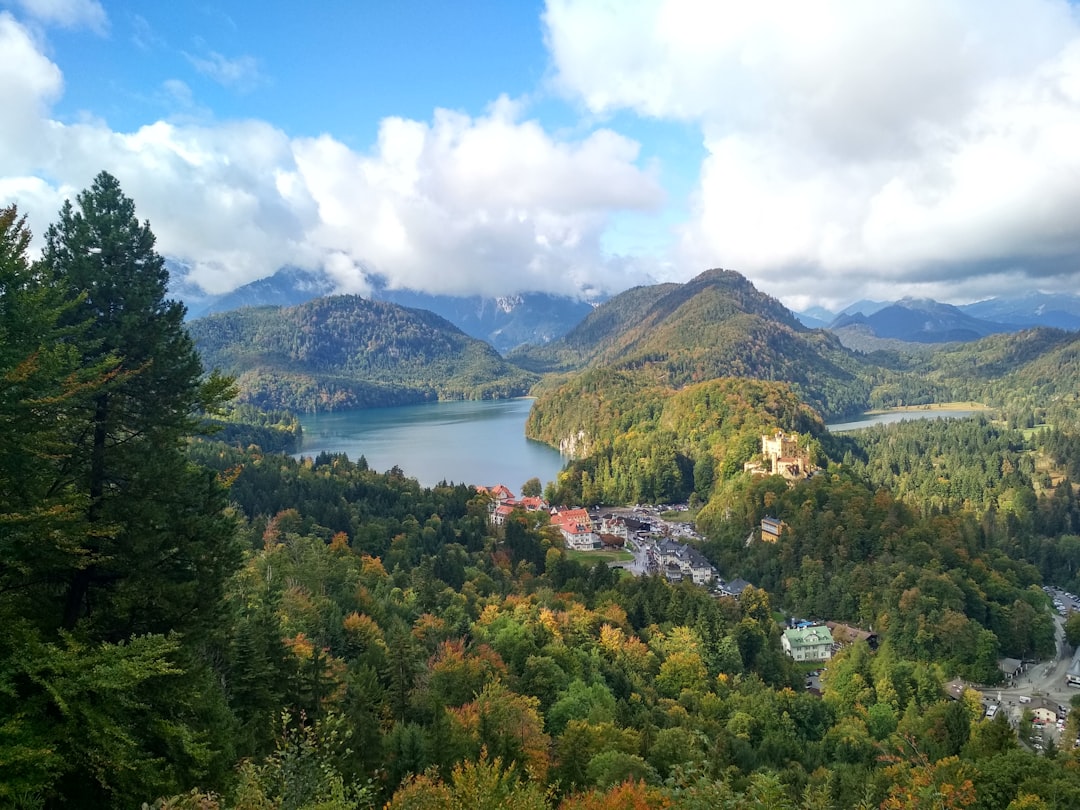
(829,151)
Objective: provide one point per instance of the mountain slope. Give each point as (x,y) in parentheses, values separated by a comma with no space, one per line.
(1034,309)
(716,325)
(922,321)
(505,322)
(346,351)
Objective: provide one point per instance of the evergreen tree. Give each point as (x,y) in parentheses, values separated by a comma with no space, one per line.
(114,548)
(157,548)
(42,388)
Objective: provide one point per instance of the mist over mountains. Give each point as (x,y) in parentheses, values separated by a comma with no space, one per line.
(536,319)
(505,322)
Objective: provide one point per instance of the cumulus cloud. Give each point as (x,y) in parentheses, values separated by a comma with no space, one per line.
(901,144)
(490,204)
(29,83)
(67,13)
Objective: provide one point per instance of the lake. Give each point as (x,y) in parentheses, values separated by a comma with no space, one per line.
(471,442)
(891,417)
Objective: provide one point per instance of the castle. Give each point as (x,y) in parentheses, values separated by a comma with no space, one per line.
(781,456)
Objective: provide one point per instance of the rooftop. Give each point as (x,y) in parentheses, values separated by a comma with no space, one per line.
(808,636)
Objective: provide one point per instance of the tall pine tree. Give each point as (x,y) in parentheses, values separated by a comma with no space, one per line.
(158,547)
(114,548)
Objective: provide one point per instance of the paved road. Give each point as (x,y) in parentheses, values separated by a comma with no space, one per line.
(1046,679)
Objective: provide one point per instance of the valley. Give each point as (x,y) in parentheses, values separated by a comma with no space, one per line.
(198,611)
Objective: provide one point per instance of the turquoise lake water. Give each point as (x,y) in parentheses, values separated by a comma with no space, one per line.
(473,442)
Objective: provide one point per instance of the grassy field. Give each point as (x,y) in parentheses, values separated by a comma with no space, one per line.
(592,557)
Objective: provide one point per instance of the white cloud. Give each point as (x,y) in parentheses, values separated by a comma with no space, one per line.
(240,73)
(29,83)
(900,142)
(67,13)
(490,204)
(466,205)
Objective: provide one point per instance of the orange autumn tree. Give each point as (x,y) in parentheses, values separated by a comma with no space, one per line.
(506,725)
(627,796)
(479,785)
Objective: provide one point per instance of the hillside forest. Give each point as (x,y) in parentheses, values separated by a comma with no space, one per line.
(192,618)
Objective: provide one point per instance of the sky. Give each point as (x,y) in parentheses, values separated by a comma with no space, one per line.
(829,151)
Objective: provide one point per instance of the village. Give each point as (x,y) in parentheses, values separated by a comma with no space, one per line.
(666,547)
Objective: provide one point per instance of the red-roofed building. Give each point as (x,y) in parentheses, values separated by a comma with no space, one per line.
(577,529)
(499,492)
(501,513)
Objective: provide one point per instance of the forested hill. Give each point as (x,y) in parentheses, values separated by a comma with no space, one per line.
(716,325)
(346,351)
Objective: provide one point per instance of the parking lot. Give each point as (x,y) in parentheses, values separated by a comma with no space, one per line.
(1064,601)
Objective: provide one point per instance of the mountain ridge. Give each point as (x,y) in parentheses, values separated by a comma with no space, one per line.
(506,321)
(347,351)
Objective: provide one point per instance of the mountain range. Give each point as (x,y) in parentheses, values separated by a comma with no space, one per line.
(533,318)
(505,322)
(346,351)
(923,320)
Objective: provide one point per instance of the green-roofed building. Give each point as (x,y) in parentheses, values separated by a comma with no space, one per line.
(813,643)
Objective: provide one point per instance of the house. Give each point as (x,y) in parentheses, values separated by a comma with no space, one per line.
(503,503)
(501,513)
(672,573)
(614,525)
(808,643)
(1045,711)
(845,634)
(1010,667)
(734,588)
(577,529)
(771,529)
(531,503)
(498,492)
(690,562)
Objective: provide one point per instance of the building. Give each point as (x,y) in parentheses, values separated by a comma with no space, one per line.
(734,588)
(687,560)
(771,529)
(1011,668)
(1072,677)
(503,502)
(577,529)
(1044,712)
(499,492)
(808,643)
(781,456)
(501,513)
(845,634)
(779,445)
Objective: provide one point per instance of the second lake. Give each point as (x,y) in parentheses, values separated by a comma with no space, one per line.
(470,442)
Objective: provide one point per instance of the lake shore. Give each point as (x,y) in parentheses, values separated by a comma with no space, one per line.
(903,413)
(936,406)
